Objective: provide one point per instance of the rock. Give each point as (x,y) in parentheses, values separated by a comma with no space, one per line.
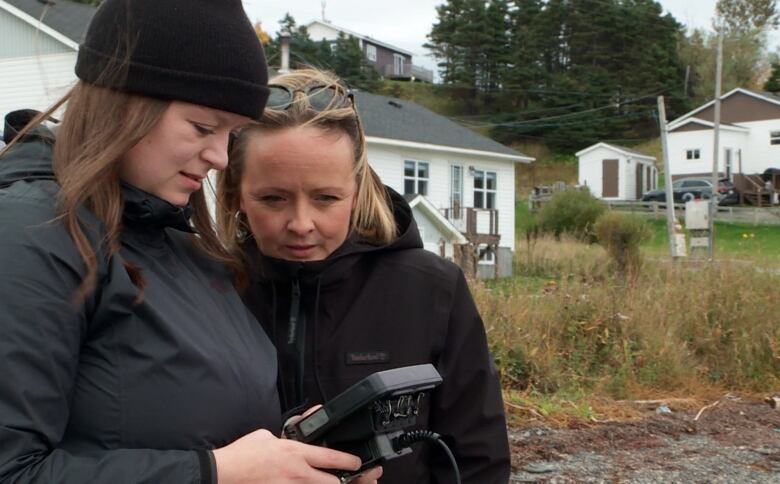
(539,468)
(663,409)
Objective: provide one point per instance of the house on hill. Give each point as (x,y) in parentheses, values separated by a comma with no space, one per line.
(749,142)
(38,46)
(614,172)
(468,178)
(390,61)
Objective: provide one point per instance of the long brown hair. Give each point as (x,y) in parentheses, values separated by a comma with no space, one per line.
(372,218)
(99,126)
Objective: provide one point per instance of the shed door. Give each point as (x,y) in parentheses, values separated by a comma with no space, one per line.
(609,178)
(640,183)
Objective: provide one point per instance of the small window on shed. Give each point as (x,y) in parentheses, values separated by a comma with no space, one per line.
(694,154)
(774,138)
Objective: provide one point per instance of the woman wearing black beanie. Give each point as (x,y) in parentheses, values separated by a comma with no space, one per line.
(127,355)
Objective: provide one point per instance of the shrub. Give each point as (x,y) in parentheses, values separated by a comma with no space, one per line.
(571,212)
(621,235)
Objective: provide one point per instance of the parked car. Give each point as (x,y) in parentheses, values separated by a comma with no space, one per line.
(686,189)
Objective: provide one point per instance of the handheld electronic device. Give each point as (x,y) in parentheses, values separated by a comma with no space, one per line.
(369,418)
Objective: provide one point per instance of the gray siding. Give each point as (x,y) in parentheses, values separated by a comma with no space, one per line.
(384,57)
(20,39)
(504,260)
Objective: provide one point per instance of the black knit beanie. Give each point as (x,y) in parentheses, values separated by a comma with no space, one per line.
(200,51)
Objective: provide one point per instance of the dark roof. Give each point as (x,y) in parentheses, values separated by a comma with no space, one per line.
(392,118)
(71,19)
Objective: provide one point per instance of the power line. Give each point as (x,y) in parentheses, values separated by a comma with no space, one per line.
(568,115)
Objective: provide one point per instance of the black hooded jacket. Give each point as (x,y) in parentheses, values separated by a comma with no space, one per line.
(110,391)
(368,308)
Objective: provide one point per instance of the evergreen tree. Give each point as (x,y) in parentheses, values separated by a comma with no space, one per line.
(773,83)
(525,74)
(349,62)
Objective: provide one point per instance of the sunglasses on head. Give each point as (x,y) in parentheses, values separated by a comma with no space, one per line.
(319,98)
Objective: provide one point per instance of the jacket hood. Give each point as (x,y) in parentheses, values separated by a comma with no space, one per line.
(30,158)
(337,264)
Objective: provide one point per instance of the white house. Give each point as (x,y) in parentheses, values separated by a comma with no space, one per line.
(468,178)
(38,46)
(749,136)
(614,172)
(390,61)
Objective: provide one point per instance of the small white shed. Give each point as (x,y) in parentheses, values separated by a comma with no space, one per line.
(616,173)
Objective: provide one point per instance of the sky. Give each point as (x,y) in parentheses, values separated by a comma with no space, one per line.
(405,23)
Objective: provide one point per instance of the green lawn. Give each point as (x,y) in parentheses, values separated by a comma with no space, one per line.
(735,240)
(732,240)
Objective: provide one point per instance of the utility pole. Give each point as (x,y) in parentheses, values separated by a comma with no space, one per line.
(716,143)
(324,4)
(670,220)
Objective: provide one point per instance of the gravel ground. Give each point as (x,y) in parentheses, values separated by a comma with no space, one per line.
(734,442)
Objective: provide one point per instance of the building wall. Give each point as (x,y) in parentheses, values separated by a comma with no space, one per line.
(758,154)
(20,39)
(385,57)
(741,108)
(318,31)
(35,82)
(590,172)
(680,142)
(388,162)
(431,235)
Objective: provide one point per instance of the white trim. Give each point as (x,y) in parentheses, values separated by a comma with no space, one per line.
(448,149)
(39,25)
(708,124)
(722,98)
(361,37)
(614,148)
(438,217)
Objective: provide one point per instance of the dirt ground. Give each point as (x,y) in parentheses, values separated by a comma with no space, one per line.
(734,441)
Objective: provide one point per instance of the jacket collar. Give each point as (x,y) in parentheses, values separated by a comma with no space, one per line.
(142,209)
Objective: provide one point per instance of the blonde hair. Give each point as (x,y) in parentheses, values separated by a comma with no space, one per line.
(372,218)
(99,126)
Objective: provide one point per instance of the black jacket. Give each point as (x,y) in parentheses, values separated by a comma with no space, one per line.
(109,391)
(369,308)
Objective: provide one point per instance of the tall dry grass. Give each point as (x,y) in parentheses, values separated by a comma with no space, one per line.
(672,327)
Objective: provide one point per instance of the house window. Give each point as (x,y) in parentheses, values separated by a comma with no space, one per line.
(774,138)
(484,189)
(371,52)
(486,255)
(415,177)
(456,190)
(692,154)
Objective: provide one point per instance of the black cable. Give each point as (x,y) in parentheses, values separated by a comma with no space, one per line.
(414,436)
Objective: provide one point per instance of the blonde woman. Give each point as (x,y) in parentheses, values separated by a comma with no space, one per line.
(127,355)
(339,279)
